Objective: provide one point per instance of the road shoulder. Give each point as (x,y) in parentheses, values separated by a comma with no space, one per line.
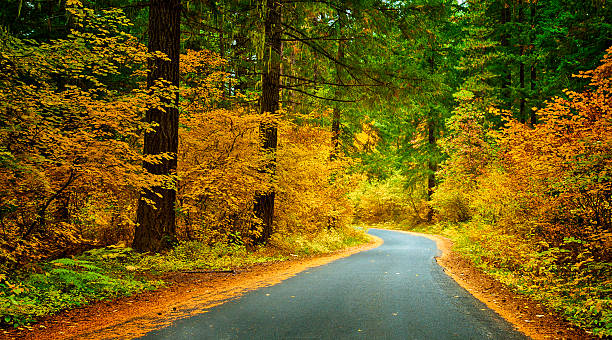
(186,295)
(529,317)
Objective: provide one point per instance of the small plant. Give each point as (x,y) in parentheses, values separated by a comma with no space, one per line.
(69,282)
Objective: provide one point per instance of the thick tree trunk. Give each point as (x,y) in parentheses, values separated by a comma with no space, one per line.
(156,224)
(269,102)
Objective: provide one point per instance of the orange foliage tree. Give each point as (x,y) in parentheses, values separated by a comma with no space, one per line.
(566,161)
(312,186)
(547,183)
(72,113)
(70,135)
(220,158)
(539,198)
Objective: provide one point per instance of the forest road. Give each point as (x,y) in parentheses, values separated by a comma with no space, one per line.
(395,291)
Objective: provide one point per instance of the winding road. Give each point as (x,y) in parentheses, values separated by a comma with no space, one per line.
(395,291)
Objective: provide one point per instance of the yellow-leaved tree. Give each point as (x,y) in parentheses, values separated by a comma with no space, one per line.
(70,136)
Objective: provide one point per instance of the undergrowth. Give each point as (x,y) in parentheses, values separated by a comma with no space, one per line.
(46,288)
(579,290)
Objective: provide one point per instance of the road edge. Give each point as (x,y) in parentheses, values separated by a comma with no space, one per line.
(130,317)
(527,316)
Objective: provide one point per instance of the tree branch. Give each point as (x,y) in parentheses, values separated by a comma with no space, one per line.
(318,97)
(312,81)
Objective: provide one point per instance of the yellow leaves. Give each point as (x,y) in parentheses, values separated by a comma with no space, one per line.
(73,3)
(559,169)
(367,138)
(194,61)
(76,148)
(464,95)
(311,188)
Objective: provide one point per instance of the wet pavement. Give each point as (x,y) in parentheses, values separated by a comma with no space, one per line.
(395,291)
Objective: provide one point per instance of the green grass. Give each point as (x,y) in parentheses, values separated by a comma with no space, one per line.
(106,273)
(324,242)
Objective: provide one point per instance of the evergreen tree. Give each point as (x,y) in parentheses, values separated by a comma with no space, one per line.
(156,228)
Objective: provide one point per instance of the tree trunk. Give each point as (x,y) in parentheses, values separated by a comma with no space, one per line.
(269,102)
(522,115)
(335,128)
(431,140)
(335,138)
(532,80)
(507,77)
(432,165)
(156,228)
(431,178)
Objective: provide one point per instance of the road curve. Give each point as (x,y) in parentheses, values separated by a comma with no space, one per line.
(395,291)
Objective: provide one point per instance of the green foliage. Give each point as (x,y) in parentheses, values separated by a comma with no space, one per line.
(578,289)
(324,241)
(67,283)
(191,255)
(111,272)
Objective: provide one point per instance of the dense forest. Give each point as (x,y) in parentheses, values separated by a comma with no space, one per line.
(190,127)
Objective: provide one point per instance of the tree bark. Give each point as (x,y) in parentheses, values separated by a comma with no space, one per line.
(433,167)
(431,140)
(269,102)
(507,77)
(522,115)
(532,80)
(335,138)
(156,228)
(335,128)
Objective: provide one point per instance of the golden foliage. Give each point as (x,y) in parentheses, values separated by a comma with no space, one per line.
(71,147)
(565,163)
(69,138)
(220,162)
(218,155)
(548,186)
(311,187)
(538,199)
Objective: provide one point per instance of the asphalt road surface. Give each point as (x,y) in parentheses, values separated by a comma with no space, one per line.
(395,291)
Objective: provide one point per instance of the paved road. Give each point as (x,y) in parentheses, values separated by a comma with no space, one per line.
(395,291)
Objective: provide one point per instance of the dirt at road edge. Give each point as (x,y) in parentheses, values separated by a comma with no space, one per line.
(187,294)
(528,316)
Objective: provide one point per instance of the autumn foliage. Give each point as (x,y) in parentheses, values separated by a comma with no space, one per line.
(567,159)
(70,136)
(537,199)
(72,113)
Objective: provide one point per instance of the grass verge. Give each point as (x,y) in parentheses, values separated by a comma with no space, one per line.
(48,287)
(581,291)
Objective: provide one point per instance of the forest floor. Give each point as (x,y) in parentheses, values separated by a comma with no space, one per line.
(190,293)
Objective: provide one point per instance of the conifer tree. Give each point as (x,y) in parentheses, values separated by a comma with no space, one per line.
(156,208)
